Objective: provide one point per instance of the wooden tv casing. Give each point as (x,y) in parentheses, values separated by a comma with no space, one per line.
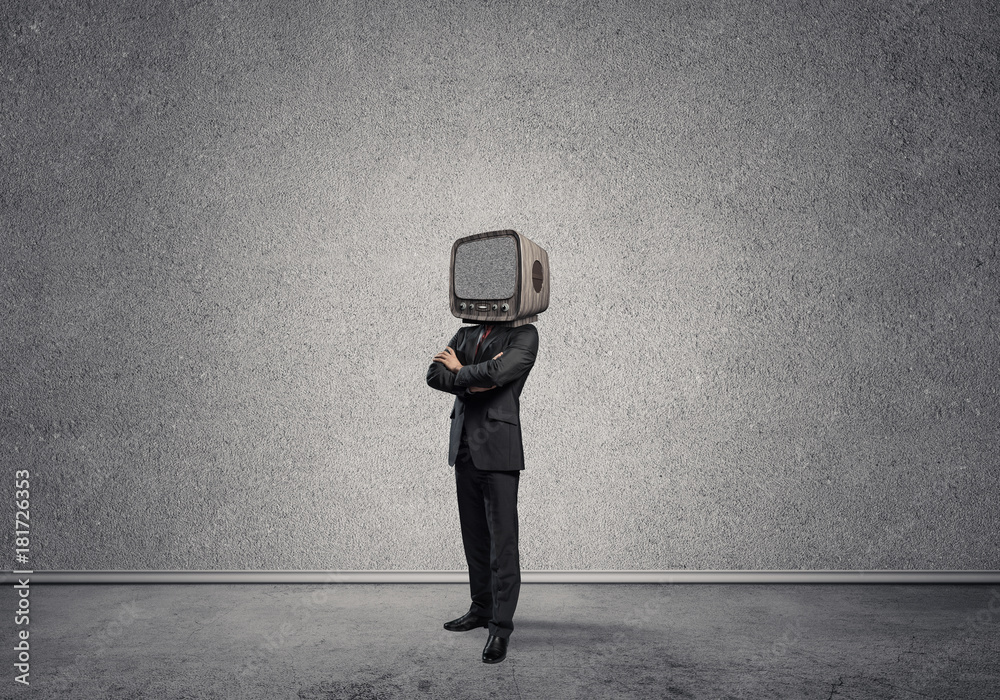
(527,301)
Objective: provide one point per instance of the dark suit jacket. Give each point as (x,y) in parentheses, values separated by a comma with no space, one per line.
(491,419)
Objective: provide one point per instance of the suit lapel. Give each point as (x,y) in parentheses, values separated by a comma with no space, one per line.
(467,346)
(484,350)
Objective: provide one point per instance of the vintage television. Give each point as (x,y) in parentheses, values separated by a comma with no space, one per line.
(498,277)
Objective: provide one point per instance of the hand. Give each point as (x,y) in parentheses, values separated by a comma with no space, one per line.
(448,358)
(477,389)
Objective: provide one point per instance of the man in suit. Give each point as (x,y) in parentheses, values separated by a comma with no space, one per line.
(488,455)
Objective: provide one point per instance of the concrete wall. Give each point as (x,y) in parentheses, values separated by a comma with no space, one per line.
(773,335)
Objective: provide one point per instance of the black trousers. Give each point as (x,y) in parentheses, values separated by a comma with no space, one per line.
(487,510)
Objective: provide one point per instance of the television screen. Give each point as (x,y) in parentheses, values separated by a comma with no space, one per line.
(486,268)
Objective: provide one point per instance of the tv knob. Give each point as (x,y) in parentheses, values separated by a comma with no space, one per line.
(505,308)
(462,306)
(494,307)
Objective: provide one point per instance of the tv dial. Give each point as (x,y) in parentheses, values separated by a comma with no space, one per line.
(494,307)
(505,308)
(462,306)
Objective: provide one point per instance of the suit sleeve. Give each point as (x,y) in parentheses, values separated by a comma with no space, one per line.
(518,357)
(441,378)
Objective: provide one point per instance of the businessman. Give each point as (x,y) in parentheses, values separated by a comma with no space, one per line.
(488,456)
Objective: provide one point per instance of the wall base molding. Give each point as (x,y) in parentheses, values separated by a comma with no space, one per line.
(904,576)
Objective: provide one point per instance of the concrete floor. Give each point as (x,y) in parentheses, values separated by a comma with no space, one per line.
(368,641)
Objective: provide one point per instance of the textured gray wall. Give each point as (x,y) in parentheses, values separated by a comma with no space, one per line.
(773,334)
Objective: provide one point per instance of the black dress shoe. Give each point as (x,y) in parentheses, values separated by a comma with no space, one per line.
(467,622)
(495,650)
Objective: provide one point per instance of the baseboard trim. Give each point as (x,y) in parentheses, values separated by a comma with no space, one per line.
(905,576)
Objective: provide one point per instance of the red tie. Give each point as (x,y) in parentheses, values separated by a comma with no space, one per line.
(481,339)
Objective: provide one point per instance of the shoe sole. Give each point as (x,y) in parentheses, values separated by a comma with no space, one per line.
(495,661)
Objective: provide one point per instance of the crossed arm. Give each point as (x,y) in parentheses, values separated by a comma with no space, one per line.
(440,377)
(449,359)
(441,373)
(448,374)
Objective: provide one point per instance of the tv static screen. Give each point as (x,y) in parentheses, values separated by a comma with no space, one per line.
(486,268)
